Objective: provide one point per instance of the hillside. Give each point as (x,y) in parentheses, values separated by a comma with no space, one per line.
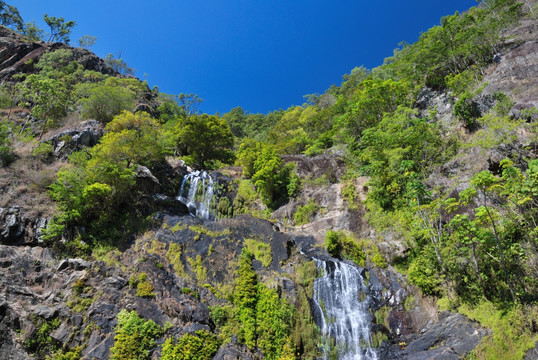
(392,217)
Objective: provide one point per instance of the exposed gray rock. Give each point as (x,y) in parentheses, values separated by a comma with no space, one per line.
(452,338)
(17,229)
(233,351)
(532,354)
(85,134)
(73,264)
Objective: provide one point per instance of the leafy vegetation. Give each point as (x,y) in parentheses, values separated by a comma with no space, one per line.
(200,346)
(135,337)
(471,243)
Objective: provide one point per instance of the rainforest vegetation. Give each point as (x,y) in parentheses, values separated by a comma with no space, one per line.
(474,249)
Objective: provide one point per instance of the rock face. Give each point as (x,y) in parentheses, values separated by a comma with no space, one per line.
(86,134)
(18,55)
(451,338)
(515,72)
(17,229)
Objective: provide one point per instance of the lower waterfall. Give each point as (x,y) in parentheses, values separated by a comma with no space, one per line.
(197,192)
(341,311)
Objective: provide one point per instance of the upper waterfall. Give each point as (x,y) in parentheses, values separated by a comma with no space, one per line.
(198,193)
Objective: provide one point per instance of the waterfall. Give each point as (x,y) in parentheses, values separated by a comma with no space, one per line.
(197,192)
(341,311)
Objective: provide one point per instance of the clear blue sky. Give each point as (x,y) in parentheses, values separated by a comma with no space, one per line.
(259,54)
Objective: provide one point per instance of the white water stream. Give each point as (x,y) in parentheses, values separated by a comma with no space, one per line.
(345,319)
(197,190)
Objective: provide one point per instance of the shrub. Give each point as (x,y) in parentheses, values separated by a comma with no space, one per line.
(105,102)
(201,345)
(6,145)
(304,214)
(135,337)
(260,250)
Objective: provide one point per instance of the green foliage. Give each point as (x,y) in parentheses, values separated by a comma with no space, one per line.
(204,140)
(340,244)
(245,199)
(349,194)
(7,156)
(105,102)
(97,188)
(87,41)
(265,318)
(10,17)
(135,337)
(305,214)
(33,32)
(396,154)
(371,101)
(43,151)
(495,130)
(511,335)
(201,345)
(198,268)
(71,354)
(60,30)
(251,126)
(41,342)
(245,299)
(423,273)
(274,182)
(117,64)
(260,250)
(143,286)
(189,103)
(461,41)
(466,109)
(174,256)
(273,325)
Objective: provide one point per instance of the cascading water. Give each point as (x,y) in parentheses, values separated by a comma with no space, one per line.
(341,311)
(197,192)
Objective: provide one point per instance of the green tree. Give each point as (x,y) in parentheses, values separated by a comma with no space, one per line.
(87,41)
(105,102)
(60,30)
(10,17)
(204,140)
(6,144)
(33,32)
(245,298)
(189,103)
(119,65)
(483,187)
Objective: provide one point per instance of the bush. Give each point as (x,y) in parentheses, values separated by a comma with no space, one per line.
(466,109)
(340,245)
(6,145)
(304,214)
(135,337)
(260,250)
(201,345)
(105,102)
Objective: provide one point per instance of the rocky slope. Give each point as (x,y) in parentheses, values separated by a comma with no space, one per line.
(190,264)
